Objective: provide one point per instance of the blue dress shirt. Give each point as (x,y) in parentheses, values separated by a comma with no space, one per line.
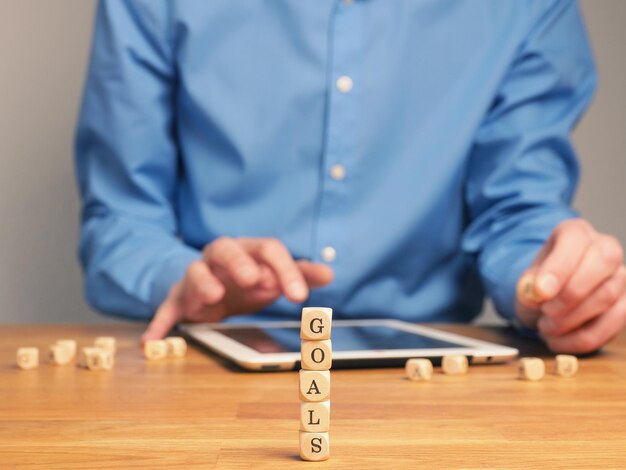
(421,148)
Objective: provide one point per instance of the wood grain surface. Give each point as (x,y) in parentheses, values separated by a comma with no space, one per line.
(199,412)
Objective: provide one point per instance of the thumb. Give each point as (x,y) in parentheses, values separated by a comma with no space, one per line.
(527,293)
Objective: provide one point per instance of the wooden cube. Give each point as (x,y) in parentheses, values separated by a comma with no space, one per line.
(454,365)
(314,446)
(85,357)
(565,365)
(27,358)
(69,343)
(96,359)
(531,368)
(314,385)
(419,369)
(315,417)
(316,323)
(317,355)
(60,354)
(176,346)
(155,349)
(108,343)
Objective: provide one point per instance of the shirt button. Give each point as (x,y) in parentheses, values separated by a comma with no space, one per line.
(328,254)
(344,84)
(338,172)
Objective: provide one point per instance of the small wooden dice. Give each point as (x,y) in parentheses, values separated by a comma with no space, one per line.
(60,354)
(70,344)
(108,343)
(314,377)
(27,358)
(176,346)
(531,368)
(565,365)
(454,365)
(419,369)
(155,349)
(95,359)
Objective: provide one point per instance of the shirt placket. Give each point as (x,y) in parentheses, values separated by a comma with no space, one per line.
(340,143)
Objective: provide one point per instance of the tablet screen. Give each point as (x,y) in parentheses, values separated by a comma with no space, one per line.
(344,338)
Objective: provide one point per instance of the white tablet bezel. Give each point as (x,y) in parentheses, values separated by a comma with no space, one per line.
(478,351)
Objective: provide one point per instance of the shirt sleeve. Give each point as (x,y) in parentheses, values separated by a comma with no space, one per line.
(127,162)
(523,169)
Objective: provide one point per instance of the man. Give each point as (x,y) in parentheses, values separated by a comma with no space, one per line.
(242,157)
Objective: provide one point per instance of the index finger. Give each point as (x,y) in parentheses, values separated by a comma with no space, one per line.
(167,315)
(275,255)
(567,246)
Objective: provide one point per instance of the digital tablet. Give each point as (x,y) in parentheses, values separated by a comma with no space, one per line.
(270,346)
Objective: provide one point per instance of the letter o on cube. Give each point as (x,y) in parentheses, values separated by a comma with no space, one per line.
(317,355)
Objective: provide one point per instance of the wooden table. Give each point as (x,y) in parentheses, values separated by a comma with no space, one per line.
(199,412)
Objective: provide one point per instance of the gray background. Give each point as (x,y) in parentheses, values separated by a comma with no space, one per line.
(44,47)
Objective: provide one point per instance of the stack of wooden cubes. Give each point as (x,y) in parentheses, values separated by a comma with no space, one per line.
(316,361)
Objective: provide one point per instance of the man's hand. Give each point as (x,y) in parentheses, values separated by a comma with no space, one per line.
(575,291)
(236,276)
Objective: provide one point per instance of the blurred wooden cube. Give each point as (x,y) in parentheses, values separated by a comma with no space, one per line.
(69,343)
(531,368)
(454,365)
(60,354)
(566,365)
(27,358)
(108,343)
(155,349)
(176,346)
(419,369)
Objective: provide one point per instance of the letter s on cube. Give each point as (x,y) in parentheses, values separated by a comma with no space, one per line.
(316,323)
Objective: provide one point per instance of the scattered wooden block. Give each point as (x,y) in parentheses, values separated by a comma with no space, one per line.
(315,417)
(316,355)
(454,365)
(155,349)
(419,369)
(314,385)
(565,365)
(314,446)
(176,346)
(316,323)
(27,358)
(69,343)
(531,368)
(108,343)
(60,354)
(95,359)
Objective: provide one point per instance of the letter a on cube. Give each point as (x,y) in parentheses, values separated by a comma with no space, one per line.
(314,385)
